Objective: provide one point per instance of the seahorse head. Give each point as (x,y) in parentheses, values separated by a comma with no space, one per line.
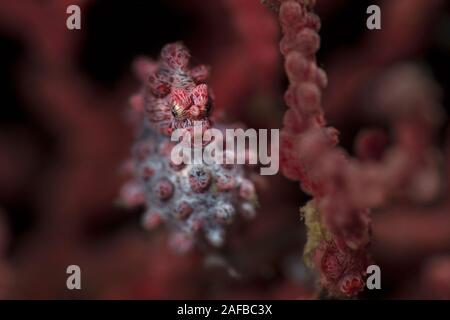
(176,95)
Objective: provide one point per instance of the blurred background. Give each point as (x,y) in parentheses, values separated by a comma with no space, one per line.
(64,134)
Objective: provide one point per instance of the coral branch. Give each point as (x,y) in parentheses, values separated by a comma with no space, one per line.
(343,188)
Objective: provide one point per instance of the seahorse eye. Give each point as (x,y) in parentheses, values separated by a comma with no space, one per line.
(177,111)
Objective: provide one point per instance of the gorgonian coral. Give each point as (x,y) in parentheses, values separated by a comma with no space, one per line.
(308,154)
(190,196)
(344,189)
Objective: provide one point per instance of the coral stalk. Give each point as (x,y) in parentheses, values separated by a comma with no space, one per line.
(308,154)
(344,189)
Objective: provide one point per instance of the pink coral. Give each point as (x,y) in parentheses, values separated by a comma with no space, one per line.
(343,188)
(188,197)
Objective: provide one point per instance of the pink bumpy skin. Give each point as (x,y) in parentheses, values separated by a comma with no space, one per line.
(175,95)
(189,198)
